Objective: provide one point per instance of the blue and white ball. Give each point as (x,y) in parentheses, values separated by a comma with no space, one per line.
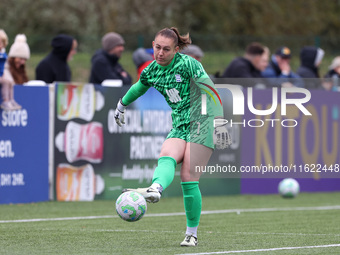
(131,206)
(289,188)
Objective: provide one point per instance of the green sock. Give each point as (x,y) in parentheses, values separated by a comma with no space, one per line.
(165,171)
(192,202)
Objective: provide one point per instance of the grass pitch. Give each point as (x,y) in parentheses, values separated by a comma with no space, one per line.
(242,224)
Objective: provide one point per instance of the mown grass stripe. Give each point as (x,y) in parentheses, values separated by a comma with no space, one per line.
(314,208)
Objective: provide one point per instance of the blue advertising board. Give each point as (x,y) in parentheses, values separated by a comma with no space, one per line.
(24,147)
(308,151)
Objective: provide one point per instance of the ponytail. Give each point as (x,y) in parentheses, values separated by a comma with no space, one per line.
(181,41)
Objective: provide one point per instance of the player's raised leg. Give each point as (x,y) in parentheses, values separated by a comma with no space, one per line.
(195,155)
(171,153)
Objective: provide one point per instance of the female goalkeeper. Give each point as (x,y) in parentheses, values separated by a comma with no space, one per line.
(195,106)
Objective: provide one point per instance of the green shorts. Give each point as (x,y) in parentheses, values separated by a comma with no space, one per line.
(200,131)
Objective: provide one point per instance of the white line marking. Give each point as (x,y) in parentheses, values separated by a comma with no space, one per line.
(259,250)
(315,208)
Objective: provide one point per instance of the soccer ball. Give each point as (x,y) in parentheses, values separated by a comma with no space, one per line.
(131,206)
(289,188)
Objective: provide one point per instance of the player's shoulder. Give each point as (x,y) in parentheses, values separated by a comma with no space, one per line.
(188,61)
(185,58)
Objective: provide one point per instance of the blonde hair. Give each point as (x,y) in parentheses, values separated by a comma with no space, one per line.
(3,37)
(181,41)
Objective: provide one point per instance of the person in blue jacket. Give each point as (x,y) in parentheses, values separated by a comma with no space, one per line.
(279,73)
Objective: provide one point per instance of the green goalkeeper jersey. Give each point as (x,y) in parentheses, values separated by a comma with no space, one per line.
(182,83)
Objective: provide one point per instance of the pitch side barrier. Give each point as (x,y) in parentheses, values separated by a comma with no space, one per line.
(65,144)
(281,130)
(24,147)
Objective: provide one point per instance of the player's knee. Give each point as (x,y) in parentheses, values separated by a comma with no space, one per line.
(167,153)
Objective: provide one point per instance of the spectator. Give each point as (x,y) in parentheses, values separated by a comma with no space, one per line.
(15,70)
(18,54)
(279,71)
(193,51)
(141,58)
(331,79)
(264,60)
(250,65)
(196,52)
(105,64)
(54,67)
(7,91)
(310,58)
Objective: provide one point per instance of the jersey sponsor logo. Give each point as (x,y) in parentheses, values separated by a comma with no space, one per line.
(178,78)
(173,95)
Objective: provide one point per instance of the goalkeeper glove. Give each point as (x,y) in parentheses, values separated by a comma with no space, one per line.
(119,113)
(222,138)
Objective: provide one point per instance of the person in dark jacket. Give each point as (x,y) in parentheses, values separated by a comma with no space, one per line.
(310,58)
(250,65)
(105,64)
(54,66)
